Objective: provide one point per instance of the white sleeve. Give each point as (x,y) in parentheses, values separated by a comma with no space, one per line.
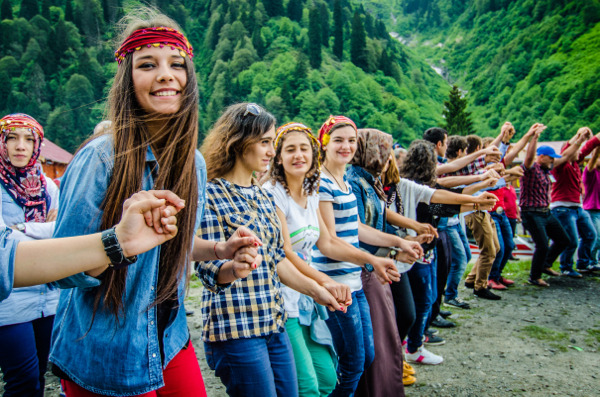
(42,230)
(281,198)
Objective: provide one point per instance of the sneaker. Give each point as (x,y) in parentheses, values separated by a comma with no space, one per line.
(441,322)
(431,331)
(513,258)
(589,268)
(457,302)
(408,380)
(571,273)
(445,313)
(486,294)
(469,285)
(433,340)
(551,272)
(423,356)
(506,281)
(493,284)
(538,283)
(407,369)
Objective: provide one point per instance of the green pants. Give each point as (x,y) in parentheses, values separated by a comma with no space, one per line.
(314,365)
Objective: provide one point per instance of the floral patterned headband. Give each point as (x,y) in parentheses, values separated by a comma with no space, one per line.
(331,122)
(157,37)
(20,120)
(289,127)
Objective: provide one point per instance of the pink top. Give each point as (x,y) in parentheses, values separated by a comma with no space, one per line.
(591,182)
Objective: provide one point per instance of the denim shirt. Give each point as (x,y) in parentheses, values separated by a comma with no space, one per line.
(112,357)
(8,249)
(371,209)
(28,303)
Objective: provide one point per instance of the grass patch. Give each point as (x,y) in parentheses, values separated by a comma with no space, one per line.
(543,333)
(595,333)
(559,346)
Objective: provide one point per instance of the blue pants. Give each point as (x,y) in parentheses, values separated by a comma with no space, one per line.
(24,352)
(259,366)
(423,283)
(595,217)
(352,335)
(507,245)
(461,255)
(578,226)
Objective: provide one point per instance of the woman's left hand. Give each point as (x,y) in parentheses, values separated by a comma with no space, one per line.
(412,249)
(325,298)
(340,292)
(241,238)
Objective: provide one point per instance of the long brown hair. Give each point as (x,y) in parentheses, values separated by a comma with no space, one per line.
(234,131)
(174,147)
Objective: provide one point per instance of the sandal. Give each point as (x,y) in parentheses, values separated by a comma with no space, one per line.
(539,282)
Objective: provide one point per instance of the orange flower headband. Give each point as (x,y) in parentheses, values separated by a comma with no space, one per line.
(331,122)
(157,37)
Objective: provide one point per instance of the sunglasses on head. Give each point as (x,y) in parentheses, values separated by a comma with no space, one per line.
(253,109)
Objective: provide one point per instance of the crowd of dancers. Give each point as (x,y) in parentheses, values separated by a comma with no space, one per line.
(325,257)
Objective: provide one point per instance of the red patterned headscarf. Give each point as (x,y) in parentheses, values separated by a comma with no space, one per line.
(26,185)
(154,37)
(331,122)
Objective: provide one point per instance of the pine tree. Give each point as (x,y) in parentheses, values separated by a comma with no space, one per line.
(46,9)
(457,119)
(294,10)
(69,11)
(358,43)
(314,38)
(338,30)
(29,9)
(273,7)
(258,43)
(324,10)
(6,10)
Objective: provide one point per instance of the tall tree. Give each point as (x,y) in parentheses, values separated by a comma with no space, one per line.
(273,7)
(69,11)
(358,42)
(29,9)
(324,10)
(338,30)
(6,10)
(258,43)
(314,38)
(46,9)
(294,10)
(457,118)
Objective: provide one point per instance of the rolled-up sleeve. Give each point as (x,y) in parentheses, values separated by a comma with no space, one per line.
(211,230)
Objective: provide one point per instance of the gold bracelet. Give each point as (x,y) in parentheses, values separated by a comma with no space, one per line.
(476,206)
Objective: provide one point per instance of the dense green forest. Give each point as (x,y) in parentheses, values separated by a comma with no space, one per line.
(524,61)
(301,59)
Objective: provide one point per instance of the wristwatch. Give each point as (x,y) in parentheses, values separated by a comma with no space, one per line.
(369,267)
(113,250)
(20,227)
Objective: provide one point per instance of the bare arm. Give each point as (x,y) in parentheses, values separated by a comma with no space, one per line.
(520,145)
(454,181)
(531,148)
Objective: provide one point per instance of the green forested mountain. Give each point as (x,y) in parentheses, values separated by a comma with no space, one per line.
(301,59)
(524,61)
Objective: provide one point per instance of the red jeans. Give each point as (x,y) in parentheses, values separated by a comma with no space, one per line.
(182,379)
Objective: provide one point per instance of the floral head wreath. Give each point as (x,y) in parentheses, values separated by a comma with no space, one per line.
(289,127)
(154,37)
(20,120)
(331,122)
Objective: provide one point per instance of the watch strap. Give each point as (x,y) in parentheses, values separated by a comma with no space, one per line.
(114,251)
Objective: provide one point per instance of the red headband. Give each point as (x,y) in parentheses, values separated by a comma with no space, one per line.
(158,37)
(20,120)
(330,123)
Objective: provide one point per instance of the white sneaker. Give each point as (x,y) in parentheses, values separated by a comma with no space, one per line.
(423,356)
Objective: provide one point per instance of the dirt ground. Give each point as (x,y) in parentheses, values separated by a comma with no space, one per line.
(534,342)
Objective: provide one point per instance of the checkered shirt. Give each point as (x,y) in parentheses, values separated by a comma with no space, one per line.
(253,306)
(473,168)
(535,187)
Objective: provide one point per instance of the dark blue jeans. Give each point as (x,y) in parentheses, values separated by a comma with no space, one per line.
(423,283)
(578,225)
(543,226)
(24,352)
(461,255)
(260,366)
(507,245)
(352,334)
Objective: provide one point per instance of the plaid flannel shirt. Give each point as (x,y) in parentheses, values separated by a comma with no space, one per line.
(253,306)
(476,167)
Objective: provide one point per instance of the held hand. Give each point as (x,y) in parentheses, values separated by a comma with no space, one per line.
(245,260)
(412,248)
(426,228)
(515,171)
(153,216)
(498,167)
(340,292)
(323,297)
(133,233)
(508,131)
(421,238)
(492,155)
(241,238)
(491,173)
(584,134)
(385,269)
(490,182)
(486,201)
(51,216)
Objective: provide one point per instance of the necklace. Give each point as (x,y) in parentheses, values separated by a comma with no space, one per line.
(343,187)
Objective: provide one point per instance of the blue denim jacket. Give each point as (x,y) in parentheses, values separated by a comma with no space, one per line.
(371,209)
(112,358)
(8,248)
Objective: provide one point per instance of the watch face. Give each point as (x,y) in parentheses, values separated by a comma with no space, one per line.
(20,227)
(369,267)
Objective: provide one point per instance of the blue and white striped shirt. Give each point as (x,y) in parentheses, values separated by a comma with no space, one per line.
(346,227)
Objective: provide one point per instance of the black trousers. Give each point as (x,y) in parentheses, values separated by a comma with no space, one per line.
(543,226)
(404,304)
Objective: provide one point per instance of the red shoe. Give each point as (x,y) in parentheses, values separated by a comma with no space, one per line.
(506,281)
(496,285)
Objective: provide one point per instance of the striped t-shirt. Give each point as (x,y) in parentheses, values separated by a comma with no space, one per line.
(345,212)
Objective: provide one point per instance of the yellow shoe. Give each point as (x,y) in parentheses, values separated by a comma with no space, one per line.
(408,369)
(408,380)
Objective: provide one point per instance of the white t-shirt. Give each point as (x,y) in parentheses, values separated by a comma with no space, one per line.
(303,226)
(412,194)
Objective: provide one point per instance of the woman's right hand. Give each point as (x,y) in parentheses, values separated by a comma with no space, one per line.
(385,269)
(242,237)
(245,261)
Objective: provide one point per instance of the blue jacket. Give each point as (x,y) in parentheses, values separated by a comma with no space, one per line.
(371,209)
(110,357)
(8,248)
